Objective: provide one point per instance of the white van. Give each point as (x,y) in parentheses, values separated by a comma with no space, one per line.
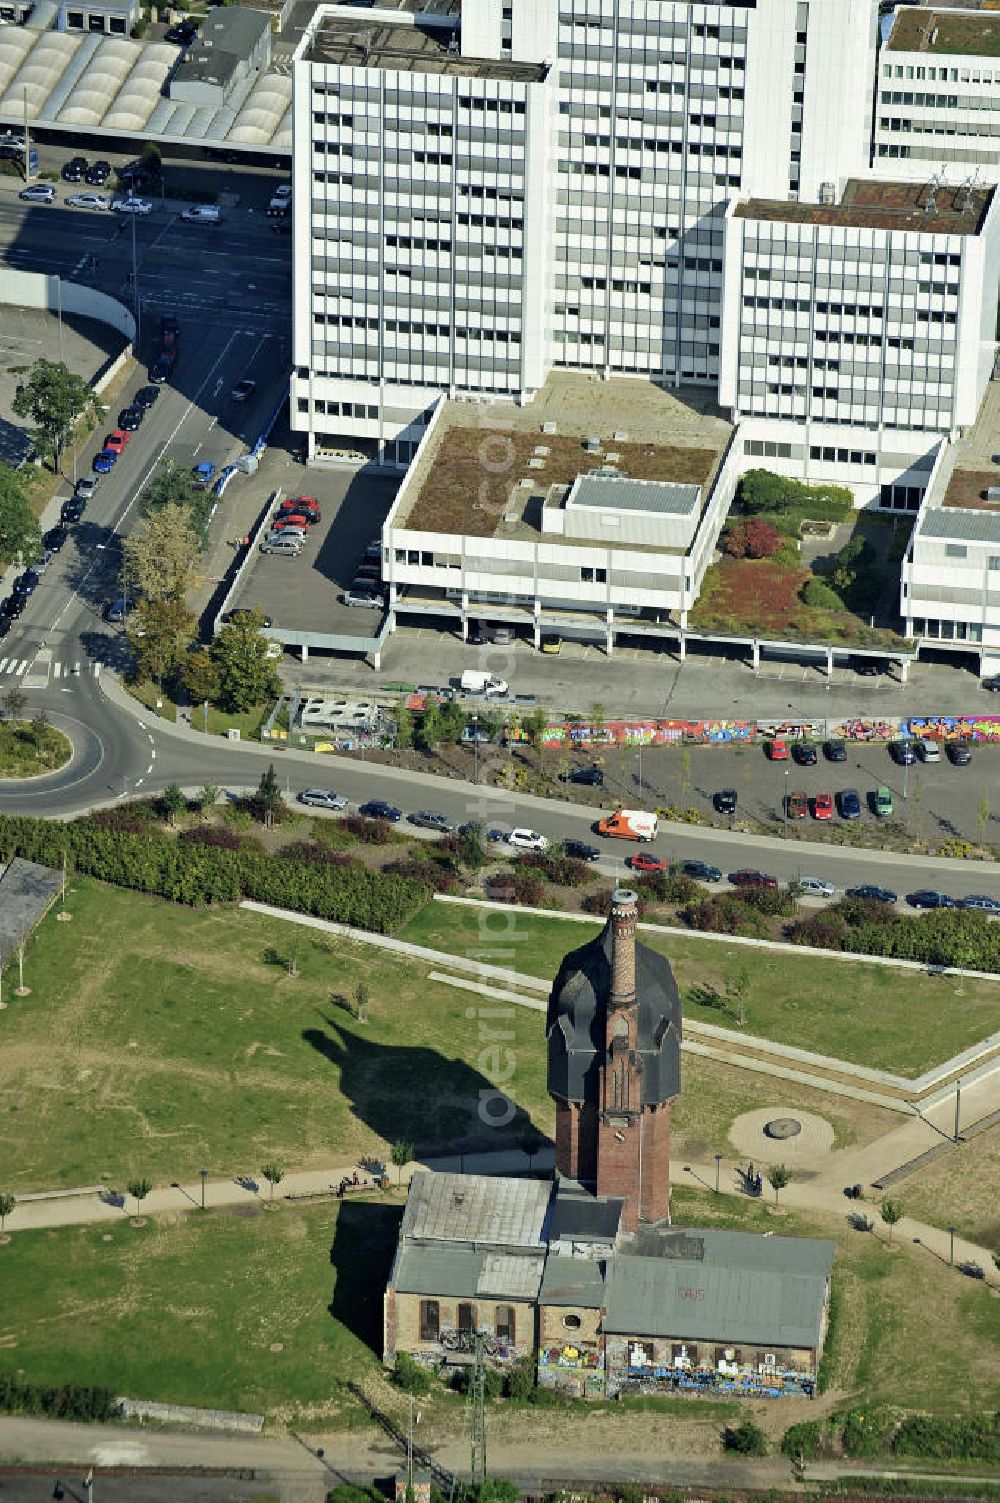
(202,214)
(928,751)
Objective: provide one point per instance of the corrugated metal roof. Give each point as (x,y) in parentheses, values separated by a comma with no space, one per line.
(618,493)
(720,1286)
(464,1272)
(476,1208)
(573,1281)
(966,525)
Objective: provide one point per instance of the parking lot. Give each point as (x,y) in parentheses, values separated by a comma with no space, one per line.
(302,594)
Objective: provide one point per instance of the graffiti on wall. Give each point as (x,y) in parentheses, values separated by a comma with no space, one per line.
(955,727)
(637,732)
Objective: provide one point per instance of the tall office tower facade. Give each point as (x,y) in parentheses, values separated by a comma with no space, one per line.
(502,186)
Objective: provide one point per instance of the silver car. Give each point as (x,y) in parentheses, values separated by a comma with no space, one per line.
(323,798)
(816,887)
(290,547)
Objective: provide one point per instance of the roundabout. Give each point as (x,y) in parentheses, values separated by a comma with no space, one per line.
(32,749)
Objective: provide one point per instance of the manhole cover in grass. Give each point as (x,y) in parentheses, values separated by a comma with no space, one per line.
(276,1346)
(782,1127)
(107,1237)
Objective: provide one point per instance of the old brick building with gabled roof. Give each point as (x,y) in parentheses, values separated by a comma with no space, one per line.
(584,1275)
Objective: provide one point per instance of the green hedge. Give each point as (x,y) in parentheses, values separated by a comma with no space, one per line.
(156,862)
(70,1402)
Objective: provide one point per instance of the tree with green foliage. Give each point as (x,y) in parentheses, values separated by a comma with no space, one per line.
(472,846)
(746,1439)
(160,633)
(737,994)
(247,676)
(207,796)
(778,1177)
(451,723)
(159,557)
(408,1375)
(268,796)
(7,1204)
(20,534)
(428,729)
(14,702)
(404,727)
(53,397)
(598,718)
(199,673)
(173,801)
(174,486)
(362,1001)
(274,1174)
(402,1153)
(890,1211)
(819,596)
(139,1189)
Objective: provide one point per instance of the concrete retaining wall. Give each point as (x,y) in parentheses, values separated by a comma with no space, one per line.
(182,1414)
(35,289)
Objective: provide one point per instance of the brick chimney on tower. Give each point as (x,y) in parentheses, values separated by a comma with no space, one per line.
(614,1032)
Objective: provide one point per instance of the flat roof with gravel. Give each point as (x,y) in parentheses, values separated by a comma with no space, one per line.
(482,469)
(884,206)
(969,490)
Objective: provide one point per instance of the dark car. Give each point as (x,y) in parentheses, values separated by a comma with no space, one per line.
(377,808)
(14,605)
(26,583)
(981,902)
(835,751)
(873,894)
(926,897)
(98,173)
(991,684)
(72,510)
(868,667)
(700,871)
(183,34)
(849,803)
(429,819)
(958,754)
(724,802)
(748,877)
(902,752)
(162,370)
(581,851)
(55,538)
(169,325)
(130,418)
(804,753)
(140,173)
(145,397)
(75,170)
(591,777)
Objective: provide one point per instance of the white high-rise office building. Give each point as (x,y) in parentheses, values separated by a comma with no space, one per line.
(497,187)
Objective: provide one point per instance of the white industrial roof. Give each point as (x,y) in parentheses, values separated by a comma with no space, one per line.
(101,83)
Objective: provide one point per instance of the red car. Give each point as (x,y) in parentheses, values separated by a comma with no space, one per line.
(289,519)
(304,514)
(644,863)
(823,806)
(777,749)
(308,504)
(117,440)
(747,877)
(797,806)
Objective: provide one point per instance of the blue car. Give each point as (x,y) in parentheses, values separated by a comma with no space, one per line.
(104,461)
(850,803)
(203,474)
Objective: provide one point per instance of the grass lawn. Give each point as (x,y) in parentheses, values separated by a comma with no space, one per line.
(147,693)
(960,1190)
(739,595)
(26,752)
(247,722)
(189,1309)
(876,1015)
(157,1039)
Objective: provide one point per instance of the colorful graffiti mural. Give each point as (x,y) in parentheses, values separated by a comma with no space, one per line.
(955,727)
(637,732)
(860,729)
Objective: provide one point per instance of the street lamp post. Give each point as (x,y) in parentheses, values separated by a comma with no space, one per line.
(718,1165)
(785,804)
(475,745)
(204,1177)
(951,1253)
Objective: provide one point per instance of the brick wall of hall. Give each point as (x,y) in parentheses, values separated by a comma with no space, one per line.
(407,1324)
(576,1141)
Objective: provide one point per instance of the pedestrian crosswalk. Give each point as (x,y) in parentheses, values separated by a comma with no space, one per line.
(18,667)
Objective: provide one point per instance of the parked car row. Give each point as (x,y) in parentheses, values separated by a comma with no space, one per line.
(902,751)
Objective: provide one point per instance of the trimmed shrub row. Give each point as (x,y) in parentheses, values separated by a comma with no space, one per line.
(72,1401)
(186,872)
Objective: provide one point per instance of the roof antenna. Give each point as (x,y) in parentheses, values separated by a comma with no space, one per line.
(966,203)
(931,205)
